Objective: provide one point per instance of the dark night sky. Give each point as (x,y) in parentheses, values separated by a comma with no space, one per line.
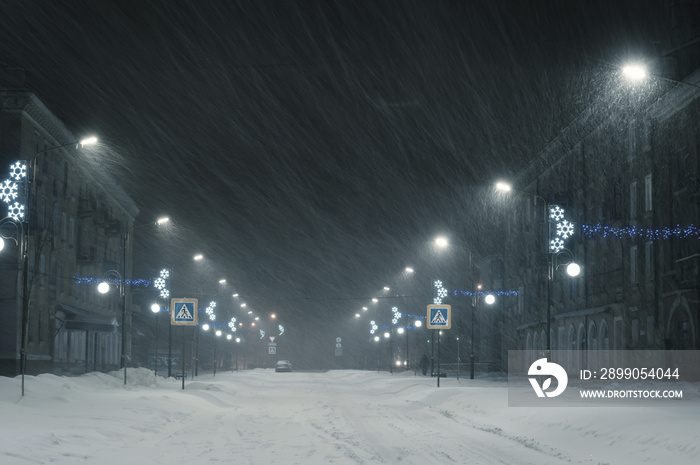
(311,149)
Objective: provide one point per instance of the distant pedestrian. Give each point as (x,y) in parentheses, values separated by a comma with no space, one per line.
(424,362)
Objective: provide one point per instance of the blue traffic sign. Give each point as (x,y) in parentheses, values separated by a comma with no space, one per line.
(439,317)
(183,312)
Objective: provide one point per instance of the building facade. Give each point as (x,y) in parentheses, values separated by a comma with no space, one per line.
(627,176)
(77,225)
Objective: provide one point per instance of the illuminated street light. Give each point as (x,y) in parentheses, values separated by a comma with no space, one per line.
(198,257)
(155,308)
(441,242)
(162,221)
(634,72)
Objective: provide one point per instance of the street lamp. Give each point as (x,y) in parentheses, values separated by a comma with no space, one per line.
(557,231)
(114,277)
(16,211)
(490,300)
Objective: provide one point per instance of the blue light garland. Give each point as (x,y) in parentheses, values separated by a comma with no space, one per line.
(457,293)
(130,282)
(650,234)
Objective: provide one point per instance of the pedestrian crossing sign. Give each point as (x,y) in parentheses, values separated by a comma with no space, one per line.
(183,312)
(439,317)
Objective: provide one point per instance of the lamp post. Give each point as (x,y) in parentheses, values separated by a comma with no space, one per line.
(155,308)
(556,231)
(19,174)
(107,279)
(490,300)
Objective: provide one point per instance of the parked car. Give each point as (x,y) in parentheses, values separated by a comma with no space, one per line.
(283,365)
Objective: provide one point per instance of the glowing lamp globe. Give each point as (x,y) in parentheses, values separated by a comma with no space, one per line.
(103,287)
(155,308)
(573,269)
(490,299)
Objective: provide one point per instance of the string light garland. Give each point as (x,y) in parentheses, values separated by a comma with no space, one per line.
(650,234)
(458,293)
(129,282)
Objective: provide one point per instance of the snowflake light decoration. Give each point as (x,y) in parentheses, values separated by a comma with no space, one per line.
(18,171)
(8,191)
(556,245)
(16,212)
(396,314)
(165,273)
(210,310)
(232,324)
(164,293)
(159,284)
(556,213)
(565,229)
(374,327)
(441,292)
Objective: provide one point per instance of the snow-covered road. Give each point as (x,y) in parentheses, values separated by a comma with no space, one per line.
(263,417)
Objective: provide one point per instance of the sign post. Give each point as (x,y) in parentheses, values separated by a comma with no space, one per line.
(439,317)
(183,312)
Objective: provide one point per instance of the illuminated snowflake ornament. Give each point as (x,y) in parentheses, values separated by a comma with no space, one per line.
(164,293)
(18,171)
(565,229)
(556,245)
(232,324)
(16,212)
(165,273)
(210,311)
(8,191)
(556,213)
(373,326)
(441,292)
(396,314)
(159,284)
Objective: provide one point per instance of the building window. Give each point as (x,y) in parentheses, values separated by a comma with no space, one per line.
(71,233)
(633,200)
(649,260)
(647,193)
(633,264)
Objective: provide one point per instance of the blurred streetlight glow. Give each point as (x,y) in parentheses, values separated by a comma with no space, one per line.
(88,141)
(634,72)
(199,257)
(155,308)
(163,220)
(409,269)
(222,281)
(441,242)
(418,324)
(503,186)
(205,327)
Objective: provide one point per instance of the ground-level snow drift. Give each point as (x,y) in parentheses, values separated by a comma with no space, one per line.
(263,417)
